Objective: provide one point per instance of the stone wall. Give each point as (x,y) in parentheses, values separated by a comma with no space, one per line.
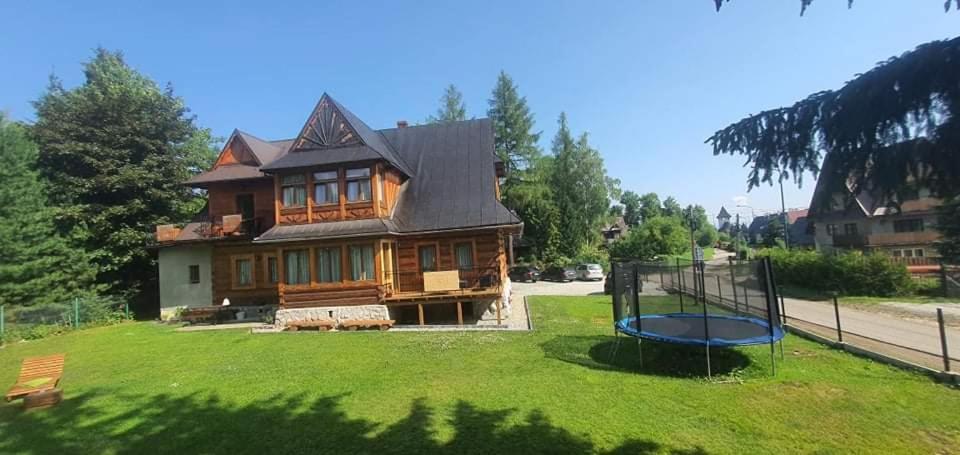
(486,310)
(331,313)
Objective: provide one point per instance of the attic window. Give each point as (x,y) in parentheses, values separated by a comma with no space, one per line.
(358,185)
(325,188)
(294,190)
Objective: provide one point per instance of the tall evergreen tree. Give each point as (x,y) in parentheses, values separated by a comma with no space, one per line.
(37,264)
(515,142)
(452,108)
(581,189)
(115,151)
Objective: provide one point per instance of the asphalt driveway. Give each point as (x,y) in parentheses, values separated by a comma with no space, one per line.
(552,288)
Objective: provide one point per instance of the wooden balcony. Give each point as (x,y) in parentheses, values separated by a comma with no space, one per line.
(903,238)
(211,228)
(465,283)
(849,240)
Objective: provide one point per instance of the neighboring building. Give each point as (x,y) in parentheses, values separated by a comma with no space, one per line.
(347,222)
(799,231)
(869,222)
(723,220)
(614,231)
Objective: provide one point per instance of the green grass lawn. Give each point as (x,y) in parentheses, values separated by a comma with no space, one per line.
(143,388)
(707,255)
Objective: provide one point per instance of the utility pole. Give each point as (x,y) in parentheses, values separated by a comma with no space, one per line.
(786,223)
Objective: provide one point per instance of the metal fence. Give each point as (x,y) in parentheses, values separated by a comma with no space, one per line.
(37,321)
(918,335)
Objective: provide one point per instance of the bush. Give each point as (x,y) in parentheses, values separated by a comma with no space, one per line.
(851,273)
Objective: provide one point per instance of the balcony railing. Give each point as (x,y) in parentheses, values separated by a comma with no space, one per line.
(208,227)
(462,281)
(904,238)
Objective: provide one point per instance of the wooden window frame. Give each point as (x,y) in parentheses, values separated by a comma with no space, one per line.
(190,274)
(436,245)
(266,268)
(349,269)
(286,185)
(847,229)
(286,273)
(315,269)
(335,181)
(347,180)
(234,284)
(453,251)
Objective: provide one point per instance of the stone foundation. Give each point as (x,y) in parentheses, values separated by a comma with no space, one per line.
(486,310)
(330,313)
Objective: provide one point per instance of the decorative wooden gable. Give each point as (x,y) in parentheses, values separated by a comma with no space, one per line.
(236,152)
(327,127)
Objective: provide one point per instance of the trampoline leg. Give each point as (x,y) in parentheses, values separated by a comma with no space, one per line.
(773,359)
(616,347)
(709,373)
(640,348)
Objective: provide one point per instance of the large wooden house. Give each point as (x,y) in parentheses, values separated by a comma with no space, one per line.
(346,222)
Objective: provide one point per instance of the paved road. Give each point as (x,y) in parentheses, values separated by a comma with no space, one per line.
(910,332)
(551,288)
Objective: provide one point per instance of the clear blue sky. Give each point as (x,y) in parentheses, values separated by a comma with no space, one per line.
(648,80)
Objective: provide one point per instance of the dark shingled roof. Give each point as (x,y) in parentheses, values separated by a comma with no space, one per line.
(333,229)
(226,172)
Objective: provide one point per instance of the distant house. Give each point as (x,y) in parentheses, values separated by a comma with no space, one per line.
(868,222)
(614,231)
(347,222)
(799,232)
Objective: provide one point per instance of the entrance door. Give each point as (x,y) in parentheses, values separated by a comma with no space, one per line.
(245,208)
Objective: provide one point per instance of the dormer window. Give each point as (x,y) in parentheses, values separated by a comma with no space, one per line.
(358,185)
(325,188)
(294,190)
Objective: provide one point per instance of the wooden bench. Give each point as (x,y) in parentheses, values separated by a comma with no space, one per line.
(37,375)
(382,324)
(321,326)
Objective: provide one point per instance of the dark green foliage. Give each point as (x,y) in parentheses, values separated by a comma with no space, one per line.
(452,107)
(515,141)
(707,236)
(650,206)
(850,273)
(115,151)
(892,122)
(948,224)
(656,237)
(580,187)
(671,207)
(773,234)
(38,265)
(632,212)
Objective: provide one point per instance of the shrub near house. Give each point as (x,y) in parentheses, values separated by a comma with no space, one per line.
(850,273)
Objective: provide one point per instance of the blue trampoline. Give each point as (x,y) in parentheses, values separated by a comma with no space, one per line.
(691,329)
(749,315)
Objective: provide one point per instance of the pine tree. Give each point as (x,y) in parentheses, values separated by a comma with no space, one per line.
(515,142)
(452,107)
(37,265)
(115,151)
(580,187)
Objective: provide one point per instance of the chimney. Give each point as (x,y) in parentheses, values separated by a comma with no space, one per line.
(401,123)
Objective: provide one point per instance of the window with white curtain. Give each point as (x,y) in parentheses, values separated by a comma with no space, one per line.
(328,265)
(361,263)
(358,185)
(296,267)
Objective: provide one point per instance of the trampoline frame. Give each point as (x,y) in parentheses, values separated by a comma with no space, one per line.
(775,331)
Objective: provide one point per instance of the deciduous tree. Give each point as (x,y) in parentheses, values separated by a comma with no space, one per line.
(632,212)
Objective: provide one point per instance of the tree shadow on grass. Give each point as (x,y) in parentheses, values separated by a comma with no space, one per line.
(281,424)
(660,359)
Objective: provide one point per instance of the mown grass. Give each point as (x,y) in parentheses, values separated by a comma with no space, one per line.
(143,388)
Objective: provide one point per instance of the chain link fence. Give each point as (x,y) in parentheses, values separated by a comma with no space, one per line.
(38,321)
(922,337)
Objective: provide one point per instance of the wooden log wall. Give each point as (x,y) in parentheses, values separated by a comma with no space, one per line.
(222,199)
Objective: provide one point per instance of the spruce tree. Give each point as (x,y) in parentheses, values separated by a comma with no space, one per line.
(37,265)
(115,151)
(515,142)
(452,108)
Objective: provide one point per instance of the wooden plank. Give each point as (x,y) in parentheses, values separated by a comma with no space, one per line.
(441,281)
(276,199)
(309,191)
(420,313)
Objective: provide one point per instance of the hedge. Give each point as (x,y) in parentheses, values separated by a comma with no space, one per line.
(848,273)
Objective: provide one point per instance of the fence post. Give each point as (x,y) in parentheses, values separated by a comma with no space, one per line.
(836,312)
(76,312)
(746,299)
(680,286)
(719,291)
(2,328)
(126,310)
(943,340)
(783,309)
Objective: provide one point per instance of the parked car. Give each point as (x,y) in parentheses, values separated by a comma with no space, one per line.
(608,284)
(589,272)
(557,273)
(524,273)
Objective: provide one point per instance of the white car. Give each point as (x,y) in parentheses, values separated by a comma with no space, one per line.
(589,272)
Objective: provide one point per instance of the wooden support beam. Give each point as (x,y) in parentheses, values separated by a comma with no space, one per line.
(459,312)
(420,313)
(309,190)
(276,199)
(375,186)
(499,303)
